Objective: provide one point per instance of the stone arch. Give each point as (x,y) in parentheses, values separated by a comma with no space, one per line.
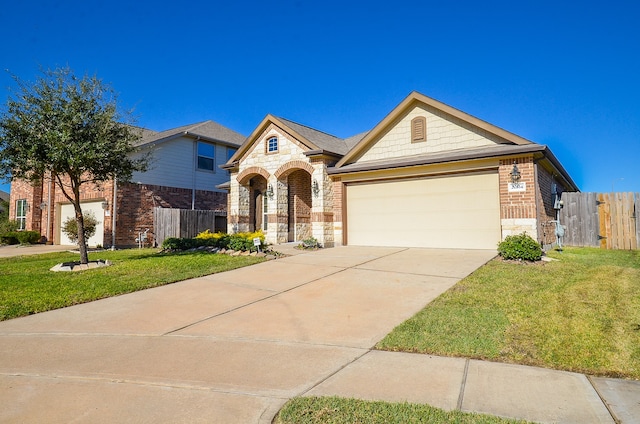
(291,166)
(244,177)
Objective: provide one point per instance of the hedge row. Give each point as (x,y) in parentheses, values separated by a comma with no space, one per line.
(238,241)
(20,237)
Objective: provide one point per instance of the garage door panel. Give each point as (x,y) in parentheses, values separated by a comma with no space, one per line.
(459,211)
(67,211)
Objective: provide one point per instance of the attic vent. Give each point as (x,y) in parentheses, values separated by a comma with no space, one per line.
(418,129)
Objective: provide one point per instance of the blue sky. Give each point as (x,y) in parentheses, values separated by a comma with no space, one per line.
(564,74)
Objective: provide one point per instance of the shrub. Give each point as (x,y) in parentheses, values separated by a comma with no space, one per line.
(175,243)
(8,238)
(220,240)
(22,237)
(28,237)
(70,227)
(309,243)
(521,247)
(8,226)
(238,241)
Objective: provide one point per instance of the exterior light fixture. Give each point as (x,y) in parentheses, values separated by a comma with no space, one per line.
(43,206)
(269,191)
(315,188)
(105,205)
(515,173)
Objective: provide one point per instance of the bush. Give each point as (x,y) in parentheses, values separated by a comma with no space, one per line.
(520,247)
(21,237)
(175,243)
(70,227)
(238,241)
(220,240)
(8,238)
(8,226)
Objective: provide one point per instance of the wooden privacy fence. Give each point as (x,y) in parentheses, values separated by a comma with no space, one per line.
(186,223)
(607,220)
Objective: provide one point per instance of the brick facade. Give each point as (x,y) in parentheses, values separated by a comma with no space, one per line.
(546,212)
(135,203)
(518,210)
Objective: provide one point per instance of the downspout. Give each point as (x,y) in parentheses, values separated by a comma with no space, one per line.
(113,214)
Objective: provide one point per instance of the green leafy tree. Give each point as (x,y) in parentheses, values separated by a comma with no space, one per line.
(72,129)
(70,227)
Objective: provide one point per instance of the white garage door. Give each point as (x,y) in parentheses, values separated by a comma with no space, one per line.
(459,211)
(67,211)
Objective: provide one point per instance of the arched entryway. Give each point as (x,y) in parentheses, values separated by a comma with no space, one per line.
(258,205)
(299,205)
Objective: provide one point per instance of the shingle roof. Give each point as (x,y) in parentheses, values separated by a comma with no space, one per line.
(4,196)
(324,141)
(208,130)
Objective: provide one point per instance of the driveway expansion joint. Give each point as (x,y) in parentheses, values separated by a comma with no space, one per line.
(604,401)
(463,384)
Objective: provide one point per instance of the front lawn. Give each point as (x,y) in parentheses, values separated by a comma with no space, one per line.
(581,313)
(334,410)
(27,286)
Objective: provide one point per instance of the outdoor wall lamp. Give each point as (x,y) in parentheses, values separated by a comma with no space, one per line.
(43,206)
(515,173)
(315,188)
(105,205)
(269,191)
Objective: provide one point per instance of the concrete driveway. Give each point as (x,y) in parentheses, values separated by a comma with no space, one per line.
(230,347)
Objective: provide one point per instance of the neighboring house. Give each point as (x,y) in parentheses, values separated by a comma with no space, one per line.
(4,197)
(427,175)
(183,173)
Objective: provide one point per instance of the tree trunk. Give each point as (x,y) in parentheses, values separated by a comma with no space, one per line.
(82,243)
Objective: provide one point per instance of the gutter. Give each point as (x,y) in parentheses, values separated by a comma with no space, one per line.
(456,157)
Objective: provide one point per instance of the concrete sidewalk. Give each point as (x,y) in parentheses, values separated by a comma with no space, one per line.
(234,347)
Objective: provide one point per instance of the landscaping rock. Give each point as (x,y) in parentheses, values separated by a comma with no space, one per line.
(77,266)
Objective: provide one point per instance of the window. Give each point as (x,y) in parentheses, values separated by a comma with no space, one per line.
(272,145)
(21,213)
(206,156)
(230,152)
(418,129)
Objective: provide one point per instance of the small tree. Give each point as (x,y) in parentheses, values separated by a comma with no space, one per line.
(71,129)
(70,227)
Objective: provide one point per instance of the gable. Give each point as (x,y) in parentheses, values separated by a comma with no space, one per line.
(438,132)
(289,148)
(451,129)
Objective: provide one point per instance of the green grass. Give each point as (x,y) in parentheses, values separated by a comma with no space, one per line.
(334,410)
(581,314)
(28,287)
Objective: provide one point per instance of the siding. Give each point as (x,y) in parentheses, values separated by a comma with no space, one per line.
(443,133)
(173,165)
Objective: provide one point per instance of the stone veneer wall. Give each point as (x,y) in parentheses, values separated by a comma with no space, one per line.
(280,169)
(338,229)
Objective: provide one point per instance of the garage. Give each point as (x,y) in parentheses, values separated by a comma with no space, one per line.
(67,211)
(456,211)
